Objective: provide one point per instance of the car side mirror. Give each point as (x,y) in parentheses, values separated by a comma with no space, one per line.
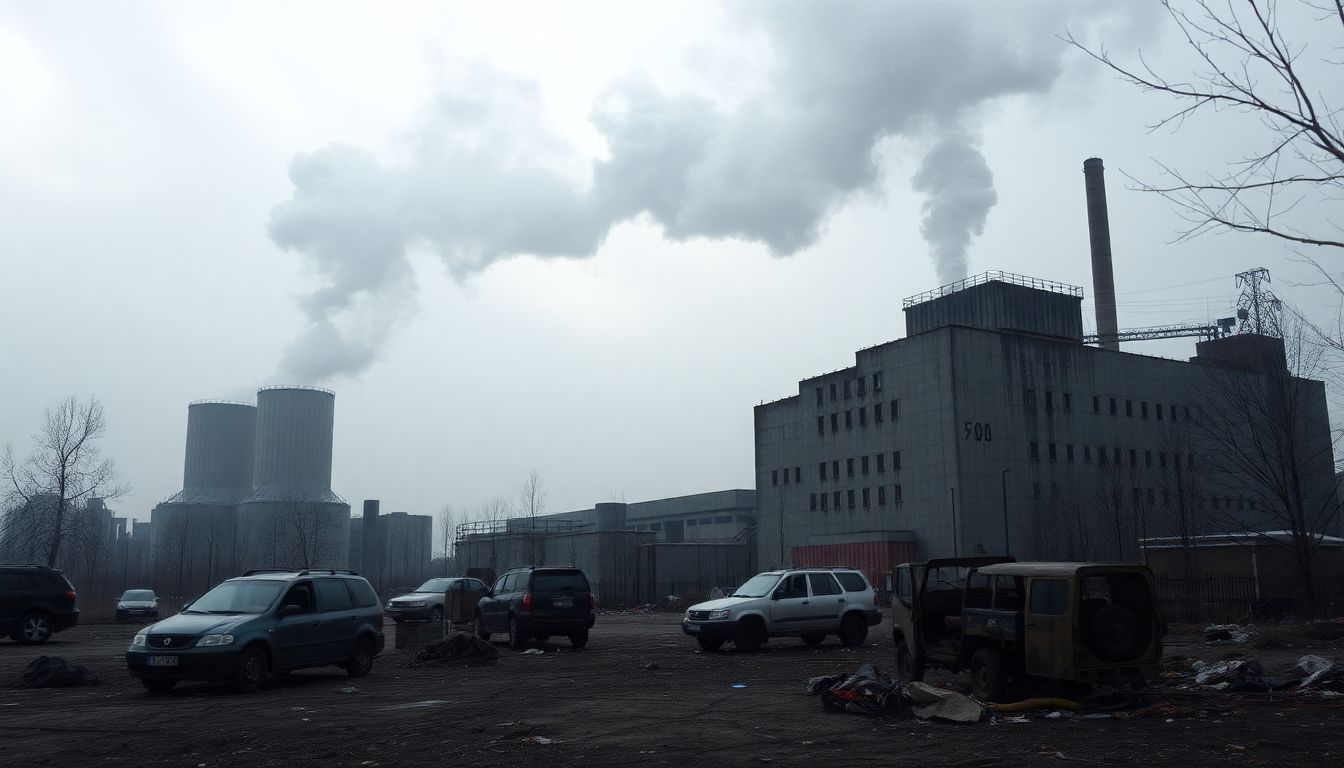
(289,610)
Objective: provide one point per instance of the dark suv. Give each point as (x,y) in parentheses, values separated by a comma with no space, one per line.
(35,601)
(538,602)
(263,622)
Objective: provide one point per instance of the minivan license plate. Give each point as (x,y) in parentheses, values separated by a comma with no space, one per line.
(162,661)
(563,602)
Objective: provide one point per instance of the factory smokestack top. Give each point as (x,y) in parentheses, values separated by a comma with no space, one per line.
(1099,232)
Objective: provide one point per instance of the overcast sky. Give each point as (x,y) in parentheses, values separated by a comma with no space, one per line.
(581,238)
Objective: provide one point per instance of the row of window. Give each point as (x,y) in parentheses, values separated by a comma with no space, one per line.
(893,410)
(824,501)
(1159,411)
(878,460)
(1149,496)
(1116,456)
(860,386)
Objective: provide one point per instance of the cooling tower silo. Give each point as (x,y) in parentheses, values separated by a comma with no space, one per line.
(292,517)
(221,439)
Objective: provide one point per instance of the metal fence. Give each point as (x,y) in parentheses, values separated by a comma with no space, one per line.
(1236,599)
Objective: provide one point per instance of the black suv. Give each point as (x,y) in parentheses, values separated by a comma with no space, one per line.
(263,622)
(35,601)
(538,602)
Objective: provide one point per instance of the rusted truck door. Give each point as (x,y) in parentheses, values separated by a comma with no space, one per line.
(1048,637)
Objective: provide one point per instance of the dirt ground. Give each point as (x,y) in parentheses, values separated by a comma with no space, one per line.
(639,694)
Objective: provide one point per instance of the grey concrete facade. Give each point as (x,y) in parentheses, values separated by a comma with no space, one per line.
(715,516)
(1100,447)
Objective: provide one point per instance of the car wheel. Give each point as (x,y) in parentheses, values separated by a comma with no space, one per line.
(517,640)
(579,639)
(481,632)
(361,661)
(988,677)
(853,630)
(252,670)
(34,628)
(710,643)
(158,685)
(436,616)
(750,635)
(907,669)
(812,641)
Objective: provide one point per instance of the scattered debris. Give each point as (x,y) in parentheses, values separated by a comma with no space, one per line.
(1320,674)
(458,647)
(1227,634)
(1029,704)
(533,652)
(349,689)
(930,703)
(54,672)
(739,685)
(539,740)
(866,692)
(650,666)
(1227,671)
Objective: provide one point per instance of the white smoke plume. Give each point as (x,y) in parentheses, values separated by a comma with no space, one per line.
(843,77)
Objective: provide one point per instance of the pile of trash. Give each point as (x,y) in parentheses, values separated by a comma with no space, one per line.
(869,692)
(1227,634)
(1312,673)
(459,647)
(54,672)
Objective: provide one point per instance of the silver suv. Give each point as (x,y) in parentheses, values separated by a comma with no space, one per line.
(809,603)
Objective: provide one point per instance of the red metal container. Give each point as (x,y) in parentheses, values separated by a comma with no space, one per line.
(875,558)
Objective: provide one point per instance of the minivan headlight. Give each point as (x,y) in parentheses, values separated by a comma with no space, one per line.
(139,640)
(210,640)
(718,615)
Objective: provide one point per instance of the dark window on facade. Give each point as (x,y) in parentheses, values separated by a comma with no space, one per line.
(1087,454)
(774,477)
(896,496)
(1133,458)
(1049,597)
(1034,451)
(862,386)
(835,469)
(797,474)
(1148,459)
(1050,449)
(849,419)
(895,412)
(1035,490)
(1143,408)
(832,391)
(877,412)
(812,501)
(865,497)
(836,496)
(849,467)
(1158,408)
(849,497)
(881,495)
(1029,398)
(895,459)
(1096,404)
(1129,408)
(1049,400)
(1187,413)
(863,416)
(846,389)
(863,465)
(1176,459)
(835,422)
(1068,452)
(877,381)
(818,395)
(1113,411)
(1116,454)
(881,462)
(821,470)
(821,425)
(1173,413)
(1101,454)
(823,502)
(1068,402)
(786,475)
(1162,459)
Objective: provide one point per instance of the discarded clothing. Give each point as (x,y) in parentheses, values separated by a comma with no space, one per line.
(459,647)
(865,692)
(1236,671)
(54,672)
(932,703)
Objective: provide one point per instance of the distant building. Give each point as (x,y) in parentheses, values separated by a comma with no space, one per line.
(406,547)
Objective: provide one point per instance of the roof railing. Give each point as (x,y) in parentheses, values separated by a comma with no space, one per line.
(994,276)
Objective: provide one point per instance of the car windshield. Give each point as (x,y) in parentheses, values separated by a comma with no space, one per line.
(238,597)
(142,595)
(757,586)
(436,585)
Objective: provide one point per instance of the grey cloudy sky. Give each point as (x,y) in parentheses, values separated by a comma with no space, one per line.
(581,238)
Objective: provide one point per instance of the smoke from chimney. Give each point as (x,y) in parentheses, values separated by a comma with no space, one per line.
(1099,233)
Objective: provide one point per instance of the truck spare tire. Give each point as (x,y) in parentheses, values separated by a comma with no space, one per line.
(1113,634)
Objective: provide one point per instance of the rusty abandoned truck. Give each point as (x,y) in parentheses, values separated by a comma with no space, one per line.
(1069,625)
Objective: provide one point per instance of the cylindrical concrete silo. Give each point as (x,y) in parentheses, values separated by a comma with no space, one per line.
(221,440)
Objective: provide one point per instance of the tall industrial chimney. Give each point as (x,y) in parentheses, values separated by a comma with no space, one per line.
(1099,231)
(371,546)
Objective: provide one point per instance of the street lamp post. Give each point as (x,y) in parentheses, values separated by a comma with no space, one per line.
(1003,477)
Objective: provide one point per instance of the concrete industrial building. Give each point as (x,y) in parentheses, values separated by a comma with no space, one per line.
(256,491)
(991,427)
(400,548)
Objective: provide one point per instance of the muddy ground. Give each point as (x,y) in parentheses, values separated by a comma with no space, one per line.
(639,694)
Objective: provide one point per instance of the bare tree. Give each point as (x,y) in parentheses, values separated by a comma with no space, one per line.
(447,532)
(1266,440)
(1250,67)
(63,472)
(533,501)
